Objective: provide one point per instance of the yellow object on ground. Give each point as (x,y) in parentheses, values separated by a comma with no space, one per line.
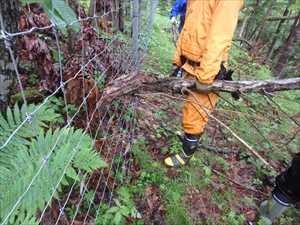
(202,46)
(176,161)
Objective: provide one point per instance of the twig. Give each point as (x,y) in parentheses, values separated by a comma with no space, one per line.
(216,149)
(236,183)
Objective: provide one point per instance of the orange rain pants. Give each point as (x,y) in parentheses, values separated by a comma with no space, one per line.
(204,43)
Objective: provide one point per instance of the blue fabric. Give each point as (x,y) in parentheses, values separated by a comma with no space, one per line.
(179,9)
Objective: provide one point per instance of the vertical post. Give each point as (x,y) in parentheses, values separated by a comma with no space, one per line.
(8,22)
(135,34)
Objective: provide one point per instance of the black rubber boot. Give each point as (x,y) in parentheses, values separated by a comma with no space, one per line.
(288,182)
(285,194)
(189,146)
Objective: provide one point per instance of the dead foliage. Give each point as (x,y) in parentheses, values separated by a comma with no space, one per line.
(151,207)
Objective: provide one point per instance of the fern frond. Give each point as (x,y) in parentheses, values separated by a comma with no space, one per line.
(14,117)
(59,153)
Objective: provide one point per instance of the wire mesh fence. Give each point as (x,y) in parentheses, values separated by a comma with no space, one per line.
(100,54)
(60,171)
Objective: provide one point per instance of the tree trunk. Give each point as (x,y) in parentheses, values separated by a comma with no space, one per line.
(271,49)
(264,21)
(115,14)
(256,19)
(92,8)
(286,49)
(150,20)
(121,16)
(9,15)
(244,25)
(135,33)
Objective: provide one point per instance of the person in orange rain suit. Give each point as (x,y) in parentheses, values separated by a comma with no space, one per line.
(202,52)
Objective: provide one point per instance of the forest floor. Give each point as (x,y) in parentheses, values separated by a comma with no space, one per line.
(217,187)
(223,188)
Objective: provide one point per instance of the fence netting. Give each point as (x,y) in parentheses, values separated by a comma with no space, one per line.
(65,151)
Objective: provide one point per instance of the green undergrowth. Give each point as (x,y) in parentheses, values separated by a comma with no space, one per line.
(161,49)
(267,122)
(174,191)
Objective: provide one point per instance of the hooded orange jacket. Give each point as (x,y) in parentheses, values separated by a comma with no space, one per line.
(206,36)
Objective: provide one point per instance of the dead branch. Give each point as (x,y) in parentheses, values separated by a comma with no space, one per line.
(141,83)
(261,86)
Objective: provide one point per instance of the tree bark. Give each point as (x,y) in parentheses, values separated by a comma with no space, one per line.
(286,49)
(9,15)
(128,84)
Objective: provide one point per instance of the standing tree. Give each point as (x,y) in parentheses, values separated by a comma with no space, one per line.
(278,30)
(9,23)
(135,33)
(286,50)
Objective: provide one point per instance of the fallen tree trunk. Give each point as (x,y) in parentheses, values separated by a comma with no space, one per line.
(128,84)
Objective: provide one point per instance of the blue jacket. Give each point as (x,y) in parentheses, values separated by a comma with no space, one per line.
(179,8)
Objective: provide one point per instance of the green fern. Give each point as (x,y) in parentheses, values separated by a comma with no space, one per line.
(14,117)
(59,153)
(59,13)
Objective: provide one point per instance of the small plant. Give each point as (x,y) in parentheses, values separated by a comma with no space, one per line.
(88,198)
(71,211)
(116,215)
(233,219)
(129,114)
(100,79)
(177,215)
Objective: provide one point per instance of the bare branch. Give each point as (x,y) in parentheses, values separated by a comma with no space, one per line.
(127,84)
(249,86)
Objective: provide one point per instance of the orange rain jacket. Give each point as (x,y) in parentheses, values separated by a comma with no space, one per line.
(204,43)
